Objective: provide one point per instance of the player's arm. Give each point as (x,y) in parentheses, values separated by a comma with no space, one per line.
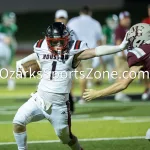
(32,56)
(102,50)
(19,63)
(122,84)
(118,41)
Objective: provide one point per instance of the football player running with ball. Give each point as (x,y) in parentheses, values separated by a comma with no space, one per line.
(57,52)
(138,60)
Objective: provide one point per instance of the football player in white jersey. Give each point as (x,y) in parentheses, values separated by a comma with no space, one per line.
(56,53)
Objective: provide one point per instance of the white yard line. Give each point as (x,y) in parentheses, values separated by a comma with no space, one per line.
(86,118)
(109,104)
(135,121)
(85,140)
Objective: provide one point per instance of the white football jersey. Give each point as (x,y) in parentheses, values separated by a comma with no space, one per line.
(57,73)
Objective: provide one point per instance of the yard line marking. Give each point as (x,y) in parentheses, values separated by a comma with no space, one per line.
(105,118)
(7,112)
(83,140)
(135,121)
(109,104)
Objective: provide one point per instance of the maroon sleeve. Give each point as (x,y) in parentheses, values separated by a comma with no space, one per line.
(141,54)
(132,59)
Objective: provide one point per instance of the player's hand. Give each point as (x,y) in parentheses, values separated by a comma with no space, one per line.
(124,43)
(90,94)
(19,69)
(18,66)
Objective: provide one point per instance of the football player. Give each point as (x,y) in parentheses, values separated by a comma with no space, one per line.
(138,59)
(8,28)
(57,53)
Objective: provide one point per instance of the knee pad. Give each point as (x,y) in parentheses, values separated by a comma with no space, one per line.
(19,128)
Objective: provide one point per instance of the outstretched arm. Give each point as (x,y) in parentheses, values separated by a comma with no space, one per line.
(102,50)
(90,94)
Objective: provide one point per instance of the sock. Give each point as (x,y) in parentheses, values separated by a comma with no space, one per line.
(21,140)
(11,84)
(75,146)
(147,134)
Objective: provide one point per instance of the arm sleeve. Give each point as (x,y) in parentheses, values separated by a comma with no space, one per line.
(107,49)
(83,46)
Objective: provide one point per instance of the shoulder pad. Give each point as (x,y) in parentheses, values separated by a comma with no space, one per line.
(77,44)
(39,43)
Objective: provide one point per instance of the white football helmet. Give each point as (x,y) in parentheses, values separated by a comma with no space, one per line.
(138,34)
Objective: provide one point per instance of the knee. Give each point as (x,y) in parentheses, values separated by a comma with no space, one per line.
(19,128)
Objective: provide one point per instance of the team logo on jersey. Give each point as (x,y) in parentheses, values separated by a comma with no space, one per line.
(51,56)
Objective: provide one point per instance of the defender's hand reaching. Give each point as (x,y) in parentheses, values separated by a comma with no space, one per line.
(124,43)
(90,94)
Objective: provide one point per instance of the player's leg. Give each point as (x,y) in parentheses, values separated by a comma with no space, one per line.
(11,81)
(28,112)
(148,135)
(61,121)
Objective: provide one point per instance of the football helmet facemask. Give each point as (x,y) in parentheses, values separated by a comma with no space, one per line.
(57,38)
(138,34)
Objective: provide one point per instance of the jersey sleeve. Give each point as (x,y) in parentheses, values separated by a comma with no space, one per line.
(78,47)
(84,46)
(39,46)
(138,55)
(132,59)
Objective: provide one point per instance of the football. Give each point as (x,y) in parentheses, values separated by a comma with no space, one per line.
(30,68)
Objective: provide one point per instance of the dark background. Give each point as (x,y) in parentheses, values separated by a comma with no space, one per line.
(33,21)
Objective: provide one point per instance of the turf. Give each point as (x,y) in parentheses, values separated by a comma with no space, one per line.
(91,145)
(98,119)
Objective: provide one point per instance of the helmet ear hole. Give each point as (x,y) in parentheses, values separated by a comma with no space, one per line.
(138,41)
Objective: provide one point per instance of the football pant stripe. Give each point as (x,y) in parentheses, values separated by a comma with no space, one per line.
(69,119)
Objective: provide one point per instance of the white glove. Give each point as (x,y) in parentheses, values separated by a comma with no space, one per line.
(124,43)
(19,69)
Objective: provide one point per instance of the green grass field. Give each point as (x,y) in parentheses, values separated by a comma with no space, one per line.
(100,125)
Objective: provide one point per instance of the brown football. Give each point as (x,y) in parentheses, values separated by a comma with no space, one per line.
(31,67)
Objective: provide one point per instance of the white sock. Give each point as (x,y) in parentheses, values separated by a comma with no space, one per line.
(147,134)
(21,140)
(11,84)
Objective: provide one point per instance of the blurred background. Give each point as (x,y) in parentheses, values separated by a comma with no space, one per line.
(29,19)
